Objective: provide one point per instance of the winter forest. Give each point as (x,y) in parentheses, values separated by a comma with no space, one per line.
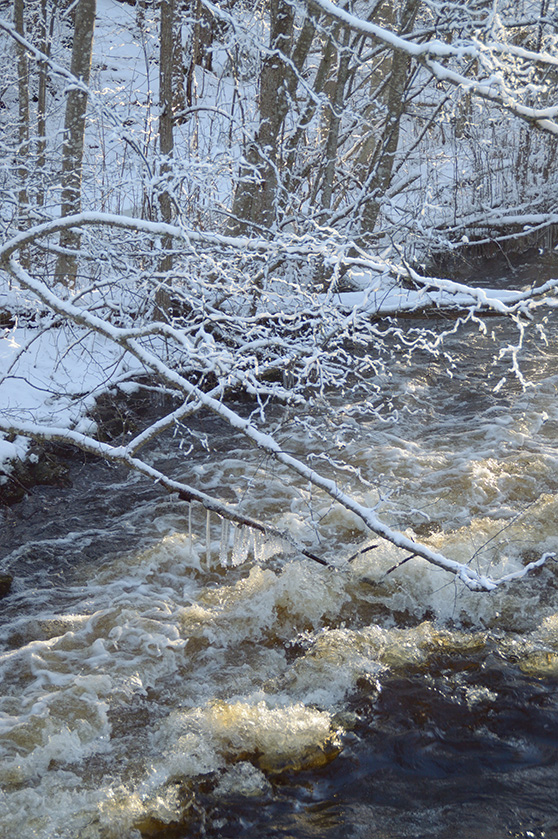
(278,279)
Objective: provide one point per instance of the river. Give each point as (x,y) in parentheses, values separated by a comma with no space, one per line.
(153,684)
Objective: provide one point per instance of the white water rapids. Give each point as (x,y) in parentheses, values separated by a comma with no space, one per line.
(163,675)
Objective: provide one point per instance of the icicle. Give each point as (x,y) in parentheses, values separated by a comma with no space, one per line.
(241,546)
(236,542)
(266,546)
(208,538)
(224,546)
(236,545)
(258,547)
(190,529)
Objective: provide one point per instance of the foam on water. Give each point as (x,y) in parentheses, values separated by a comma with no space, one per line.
(276,738)
(212,654)
(221,696)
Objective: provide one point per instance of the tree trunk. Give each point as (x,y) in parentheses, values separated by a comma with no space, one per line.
(23,114)
(382,164)
(335,110)
(201,49)
(166,142)
(292,177)
(74,134)
(45,40)
(255,195)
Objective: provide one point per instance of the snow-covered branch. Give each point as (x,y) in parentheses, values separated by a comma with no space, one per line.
(431,53)
(140,342)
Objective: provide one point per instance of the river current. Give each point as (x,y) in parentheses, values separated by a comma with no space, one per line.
(163,675)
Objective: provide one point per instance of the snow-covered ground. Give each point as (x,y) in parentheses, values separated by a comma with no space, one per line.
(51,377)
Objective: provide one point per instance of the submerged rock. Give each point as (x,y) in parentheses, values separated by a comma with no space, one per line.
(42,466)
(6,581)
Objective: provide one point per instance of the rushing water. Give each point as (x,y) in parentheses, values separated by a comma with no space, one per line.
(154,685)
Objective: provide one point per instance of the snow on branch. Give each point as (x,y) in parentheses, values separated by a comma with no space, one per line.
(157,360)
(435,292)
(38,55)
(431,53)
(506,302)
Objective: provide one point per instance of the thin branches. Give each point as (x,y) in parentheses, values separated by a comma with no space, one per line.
(141,344)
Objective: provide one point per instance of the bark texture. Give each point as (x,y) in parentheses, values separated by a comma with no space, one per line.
(74,135)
